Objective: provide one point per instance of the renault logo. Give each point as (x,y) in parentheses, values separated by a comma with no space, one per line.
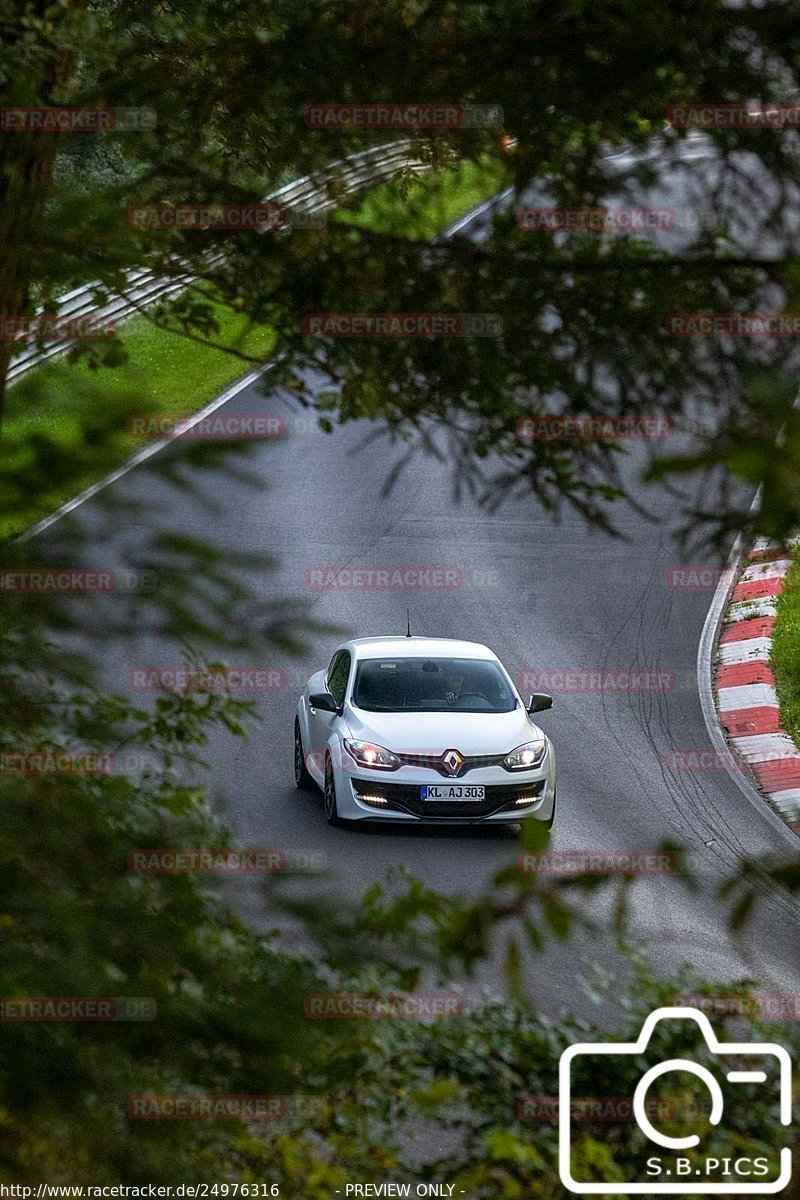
(453,761)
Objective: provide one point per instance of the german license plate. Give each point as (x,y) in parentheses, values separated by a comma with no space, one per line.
(452,791)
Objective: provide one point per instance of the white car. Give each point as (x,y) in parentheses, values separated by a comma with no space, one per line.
(422,729)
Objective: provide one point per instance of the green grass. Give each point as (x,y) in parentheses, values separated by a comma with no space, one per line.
(422,206)
(785,653)
(166,373)
(73,418)
(64,426)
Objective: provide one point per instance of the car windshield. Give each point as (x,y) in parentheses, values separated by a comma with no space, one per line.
(432,685)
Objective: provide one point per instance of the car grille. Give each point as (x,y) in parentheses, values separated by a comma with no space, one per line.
(405,797)
(433,762)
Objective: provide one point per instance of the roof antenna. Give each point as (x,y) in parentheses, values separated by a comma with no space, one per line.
(408,621)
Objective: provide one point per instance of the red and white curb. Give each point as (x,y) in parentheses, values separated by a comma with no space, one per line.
(747,703)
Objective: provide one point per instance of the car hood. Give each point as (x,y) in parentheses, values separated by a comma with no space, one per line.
(433,733)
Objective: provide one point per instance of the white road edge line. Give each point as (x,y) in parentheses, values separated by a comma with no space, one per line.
(147,452)
(239,386)
(477,212)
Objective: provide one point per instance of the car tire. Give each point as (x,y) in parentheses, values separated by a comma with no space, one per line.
(549,824)
(329,796)
(302,778)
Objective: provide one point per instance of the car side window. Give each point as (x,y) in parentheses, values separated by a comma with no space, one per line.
(338,676)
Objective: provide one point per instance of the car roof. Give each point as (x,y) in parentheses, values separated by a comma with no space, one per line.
(399,646)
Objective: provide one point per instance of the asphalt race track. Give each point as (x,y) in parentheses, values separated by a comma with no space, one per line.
(544,596)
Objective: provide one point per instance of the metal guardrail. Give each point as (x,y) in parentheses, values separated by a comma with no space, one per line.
(315,193)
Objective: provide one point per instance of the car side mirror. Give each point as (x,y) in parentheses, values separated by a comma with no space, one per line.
(538,702)
(324,701)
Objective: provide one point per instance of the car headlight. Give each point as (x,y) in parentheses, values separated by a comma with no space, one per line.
(366,754)
(524,758)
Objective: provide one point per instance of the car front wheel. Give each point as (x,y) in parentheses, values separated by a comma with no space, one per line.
(302,778)
(329,797)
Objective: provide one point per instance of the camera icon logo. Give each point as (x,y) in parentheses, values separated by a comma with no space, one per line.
(672,1171)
